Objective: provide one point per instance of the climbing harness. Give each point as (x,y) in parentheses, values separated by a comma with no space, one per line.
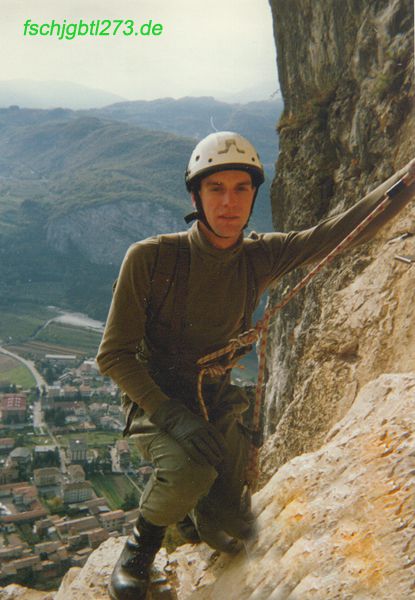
(223,360)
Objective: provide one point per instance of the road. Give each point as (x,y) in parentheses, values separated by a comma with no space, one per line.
(38,422)
(40,381)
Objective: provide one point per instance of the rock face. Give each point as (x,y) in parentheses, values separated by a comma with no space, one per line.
(336,524)
(346,72)
(103,233)
(366,328)
(17,592)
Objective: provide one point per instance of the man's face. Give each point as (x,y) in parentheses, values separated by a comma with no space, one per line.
(227,198)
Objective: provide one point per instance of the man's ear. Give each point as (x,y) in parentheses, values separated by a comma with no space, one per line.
(192,195)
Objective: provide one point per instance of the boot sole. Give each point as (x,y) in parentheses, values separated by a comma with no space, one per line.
(112,595)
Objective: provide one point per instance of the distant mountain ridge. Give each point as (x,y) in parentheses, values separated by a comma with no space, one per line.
(197,117)
(49,94)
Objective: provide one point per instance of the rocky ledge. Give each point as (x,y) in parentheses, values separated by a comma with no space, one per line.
(335,524)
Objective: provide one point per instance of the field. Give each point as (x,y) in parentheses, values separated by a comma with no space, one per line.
(113,487)
(74,339)
(19,323)
(59,339)
(94,439)
(26,329)
(13,372)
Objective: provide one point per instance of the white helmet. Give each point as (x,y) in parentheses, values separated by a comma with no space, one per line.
(223,151)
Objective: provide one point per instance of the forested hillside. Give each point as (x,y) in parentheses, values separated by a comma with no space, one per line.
(78,187)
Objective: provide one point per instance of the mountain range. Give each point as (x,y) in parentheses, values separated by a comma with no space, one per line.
(78,187)
(49,94)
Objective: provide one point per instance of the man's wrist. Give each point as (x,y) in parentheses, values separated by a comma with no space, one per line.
(157,407)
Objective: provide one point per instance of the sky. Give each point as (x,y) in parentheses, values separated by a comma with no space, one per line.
(211,47)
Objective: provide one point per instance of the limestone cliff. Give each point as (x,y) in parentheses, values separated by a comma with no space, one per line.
(102,233)
(346,72)
(335,513)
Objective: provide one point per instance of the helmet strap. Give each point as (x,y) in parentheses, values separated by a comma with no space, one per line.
(191,217)
(201,213)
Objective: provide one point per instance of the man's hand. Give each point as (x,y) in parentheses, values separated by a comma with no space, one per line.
(202,441)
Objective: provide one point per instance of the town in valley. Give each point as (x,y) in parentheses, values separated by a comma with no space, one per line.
(68,479)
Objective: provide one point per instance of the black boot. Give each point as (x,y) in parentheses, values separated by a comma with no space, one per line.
(131,576)
(188,531)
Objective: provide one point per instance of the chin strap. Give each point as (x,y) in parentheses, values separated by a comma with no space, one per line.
(192,217)
(199,214)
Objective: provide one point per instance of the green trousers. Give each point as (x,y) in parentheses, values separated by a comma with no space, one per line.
(217,499)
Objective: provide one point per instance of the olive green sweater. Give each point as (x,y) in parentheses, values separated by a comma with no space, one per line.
(217,291)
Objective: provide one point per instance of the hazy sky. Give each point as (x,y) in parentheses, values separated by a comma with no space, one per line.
(209,47)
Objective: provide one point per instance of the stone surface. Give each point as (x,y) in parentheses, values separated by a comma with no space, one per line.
(336,524)
(17,592)
(365,329)
(346,73)
(117,224)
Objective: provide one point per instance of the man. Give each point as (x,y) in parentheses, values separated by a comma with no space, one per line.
(154,336)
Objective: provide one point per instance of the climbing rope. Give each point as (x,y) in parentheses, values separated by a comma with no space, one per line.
(221,361)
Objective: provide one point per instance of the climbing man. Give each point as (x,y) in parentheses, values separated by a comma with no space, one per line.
(179,297)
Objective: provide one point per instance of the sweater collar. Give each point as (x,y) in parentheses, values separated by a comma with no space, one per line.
(203,247)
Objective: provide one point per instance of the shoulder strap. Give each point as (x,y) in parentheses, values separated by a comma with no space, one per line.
(172,266)
(256,258)
(180,290)
(163,271)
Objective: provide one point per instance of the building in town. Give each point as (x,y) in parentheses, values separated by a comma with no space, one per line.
(13,408)
(6,445)
(78,451)
(77,491)
(9,474)
(48,481)
(76,473)
(123,455)
(21,458)
(113,521)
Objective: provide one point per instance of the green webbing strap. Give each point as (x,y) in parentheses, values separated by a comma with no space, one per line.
(163,273)
(171,268)
(181,280)
(256,261)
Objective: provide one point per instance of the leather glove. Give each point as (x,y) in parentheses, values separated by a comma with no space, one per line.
(201,440)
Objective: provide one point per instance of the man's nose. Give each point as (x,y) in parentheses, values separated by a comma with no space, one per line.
(230,198)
